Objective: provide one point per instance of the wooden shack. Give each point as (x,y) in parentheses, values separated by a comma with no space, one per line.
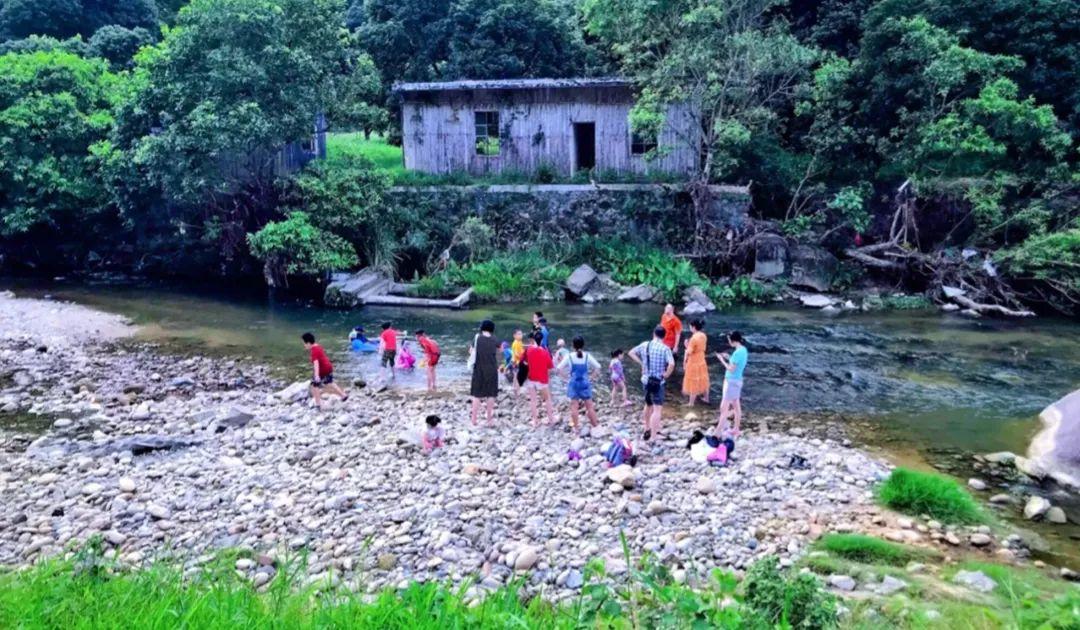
(524,125)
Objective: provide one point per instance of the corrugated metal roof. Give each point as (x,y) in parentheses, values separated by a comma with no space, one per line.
(510,84)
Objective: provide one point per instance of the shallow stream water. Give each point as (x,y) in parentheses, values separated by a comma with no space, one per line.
(931,386)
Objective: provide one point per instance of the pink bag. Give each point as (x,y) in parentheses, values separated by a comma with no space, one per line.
(719,454)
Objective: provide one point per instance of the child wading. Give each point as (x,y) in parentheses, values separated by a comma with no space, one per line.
(388,347)
(579,387)
(322,372)
(431,354)
(618,377)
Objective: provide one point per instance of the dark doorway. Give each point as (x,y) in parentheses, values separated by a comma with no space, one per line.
(584,146)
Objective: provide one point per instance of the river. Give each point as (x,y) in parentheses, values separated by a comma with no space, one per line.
(932,388)
(946,381)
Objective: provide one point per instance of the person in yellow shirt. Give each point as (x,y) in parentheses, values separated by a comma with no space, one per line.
(517,356)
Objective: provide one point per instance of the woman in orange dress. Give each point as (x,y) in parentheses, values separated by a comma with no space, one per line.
(695,371)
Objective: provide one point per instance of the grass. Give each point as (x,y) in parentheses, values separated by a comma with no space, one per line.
(867,549)
(919,493)
(384,155)
(88,591)
(389,158)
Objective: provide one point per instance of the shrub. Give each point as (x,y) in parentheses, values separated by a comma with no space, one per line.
(920,493)
(906,302)
(799,602)
(515,275)
(860,548)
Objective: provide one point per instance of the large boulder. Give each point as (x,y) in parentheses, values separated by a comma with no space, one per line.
(640,293)
(604,289)
(771,256)
(350,290)
(581,280)
(694,295)
(813,300)
(812,267)
(1056,448)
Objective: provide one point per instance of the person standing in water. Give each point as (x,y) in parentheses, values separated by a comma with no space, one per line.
(657,364)
(695,370)
(731,402)
(388,348)
(579,387)
(672,326)
(322,372)
(431,354)
(485,374)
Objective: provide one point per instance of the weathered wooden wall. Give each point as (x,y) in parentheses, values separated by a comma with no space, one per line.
(536,129)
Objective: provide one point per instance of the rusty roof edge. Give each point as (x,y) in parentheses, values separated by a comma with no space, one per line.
(509,84)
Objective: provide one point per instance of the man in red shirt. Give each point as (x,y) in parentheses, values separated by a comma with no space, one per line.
(431,353)
(539,363)
(323,372)
(388,343)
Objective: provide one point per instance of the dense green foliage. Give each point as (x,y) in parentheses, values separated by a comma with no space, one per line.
(65,18)
(89,592)
(171,153)
(919,493)
(56,110)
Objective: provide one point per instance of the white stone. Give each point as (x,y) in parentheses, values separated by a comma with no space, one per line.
(975,580)
(1036,507)
(842,582)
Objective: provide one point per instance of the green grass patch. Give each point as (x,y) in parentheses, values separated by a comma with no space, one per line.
(385,156)
(91,592)
(867,549)
(906,302)
(918,493)
(389,158)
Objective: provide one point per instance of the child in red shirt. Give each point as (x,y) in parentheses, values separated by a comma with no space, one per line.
(431,353)
(540,365)
(388,346)
(322,372)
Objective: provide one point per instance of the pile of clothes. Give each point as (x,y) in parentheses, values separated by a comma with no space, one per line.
(709,448)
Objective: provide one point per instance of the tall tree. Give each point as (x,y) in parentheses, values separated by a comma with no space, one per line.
(229,85)
(55,116)
(510,39)
(67,18)
(724,57)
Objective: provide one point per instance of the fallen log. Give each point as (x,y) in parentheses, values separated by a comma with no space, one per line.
(967,302)
(872,261)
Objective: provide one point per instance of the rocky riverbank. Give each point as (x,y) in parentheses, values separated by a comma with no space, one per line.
(190,455)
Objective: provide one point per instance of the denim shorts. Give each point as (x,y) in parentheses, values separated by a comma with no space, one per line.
(654,392)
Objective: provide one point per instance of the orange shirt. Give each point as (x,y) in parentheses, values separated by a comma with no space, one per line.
(673,329)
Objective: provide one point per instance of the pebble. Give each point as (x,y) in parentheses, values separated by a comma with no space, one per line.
(975,580)
(1056,515)
(977,484)
(980,540)
(842,582)
(339,486)
(1036,507)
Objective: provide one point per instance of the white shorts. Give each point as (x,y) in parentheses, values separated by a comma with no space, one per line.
(537,386)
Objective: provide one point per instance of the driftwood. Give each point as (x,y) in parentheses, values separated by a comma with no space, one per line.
(967,302)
